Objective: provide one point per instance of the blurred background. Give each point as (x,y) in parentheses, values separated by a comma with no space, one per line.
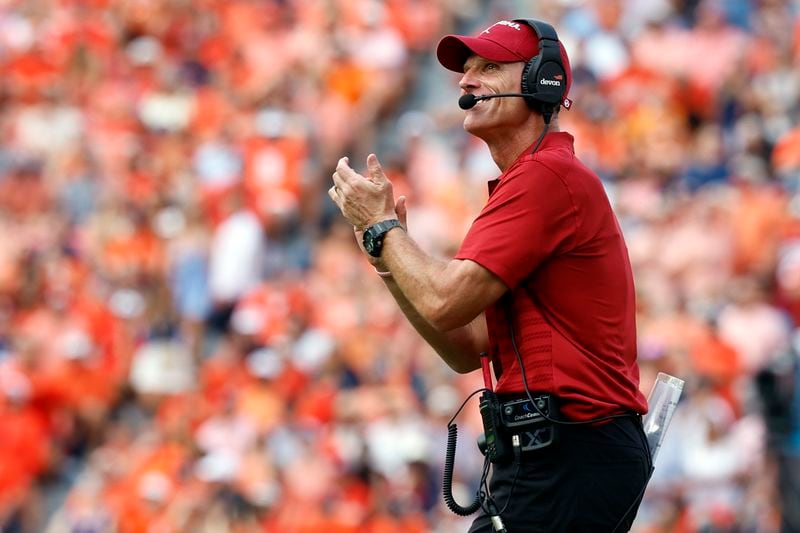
(190,339)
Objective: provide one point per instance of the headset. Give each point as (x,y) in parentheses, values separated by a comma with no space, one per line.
(544,78)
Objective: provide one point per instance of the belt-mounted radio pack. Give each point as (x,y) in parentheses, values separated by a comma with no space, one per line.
(510,428)
(515,426)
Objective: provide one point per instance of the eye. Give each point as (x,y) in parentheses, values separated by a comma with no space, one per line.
(491,66)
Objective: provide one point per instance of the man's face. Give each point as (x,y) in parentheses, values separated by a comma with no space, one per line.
(488,117)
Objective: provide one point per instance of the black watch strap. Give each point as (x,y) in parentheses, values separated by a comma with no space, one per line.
(373,236)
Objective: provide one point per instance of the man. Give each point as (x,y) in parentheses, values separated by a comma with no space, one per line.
(542,277)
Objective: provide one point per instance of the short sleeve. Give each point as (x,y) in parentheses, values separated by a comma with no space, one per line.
(529,217)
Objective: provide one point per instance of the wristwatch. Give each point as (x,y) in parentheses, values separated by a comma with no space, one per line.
(373,236)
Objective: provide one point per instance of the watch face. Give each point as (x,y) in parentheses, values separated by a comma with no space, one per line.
(373,236)
(370,243)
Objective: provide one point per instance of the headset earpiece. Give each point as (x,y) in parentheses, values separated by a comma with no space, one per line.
(544,76)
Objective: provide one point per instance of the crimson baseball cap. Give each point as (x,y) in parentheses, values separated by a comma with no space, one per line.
(505,41)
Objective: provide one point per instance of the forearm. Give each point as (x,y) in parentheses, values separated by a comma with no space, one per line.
(459,347)
(432,287)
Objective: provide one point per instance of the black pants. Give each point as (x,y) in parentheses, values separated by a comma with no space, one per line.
(585,482)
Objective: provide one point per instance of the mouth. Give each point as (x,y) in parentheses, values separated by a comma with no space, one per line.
(468,101)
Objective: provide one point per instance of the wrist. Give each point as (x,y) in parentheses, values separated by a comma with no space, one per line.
(377,263)
(378,219)
(372,237)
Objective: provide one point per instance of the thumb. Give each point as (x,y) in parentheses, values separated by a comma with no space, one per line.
(374,168)
(402,212)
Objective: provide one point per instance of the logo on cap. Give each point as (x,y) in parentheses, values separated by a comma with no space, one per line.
(504,23)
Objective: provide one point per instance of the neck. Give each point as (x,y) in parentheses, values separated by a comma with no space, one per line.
(506,148)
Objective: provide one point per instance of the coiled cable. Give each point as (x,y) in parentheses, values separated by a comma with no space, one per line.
(447,481)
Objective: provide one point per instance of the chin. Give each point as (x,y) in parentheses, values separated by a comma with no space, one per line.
(475,128)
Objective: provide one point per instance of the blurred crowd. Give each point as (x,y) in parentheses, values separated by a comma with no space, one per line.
(190,339)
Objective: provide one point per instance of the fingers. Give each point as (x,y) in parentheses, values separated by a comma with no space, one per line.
(351,188)
(402,212)
(345,178)
(343,173)
(338,183)
(341,169)
(374,168)
(333,193)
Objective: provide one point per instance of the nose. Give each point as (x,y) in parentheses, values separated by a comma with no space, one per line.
(469,81)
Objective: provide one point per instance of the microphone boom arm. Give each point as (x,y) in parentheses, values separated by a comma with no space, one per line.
(468,101)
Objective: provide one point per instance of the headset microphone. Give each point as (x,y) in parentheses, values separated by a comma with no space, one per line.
(468,101)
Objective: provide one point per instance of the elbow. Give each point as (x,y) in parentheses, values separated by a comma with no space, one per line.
(460,360)
(445,319)
(463,367)
(444,324)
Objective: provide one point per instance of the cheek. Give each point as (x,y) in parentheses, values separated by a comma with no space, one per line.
(516,105)
(512,111)
(513,82)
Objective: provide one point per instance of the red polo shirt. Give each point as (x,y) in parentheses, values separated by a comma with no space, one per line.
(549,233)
